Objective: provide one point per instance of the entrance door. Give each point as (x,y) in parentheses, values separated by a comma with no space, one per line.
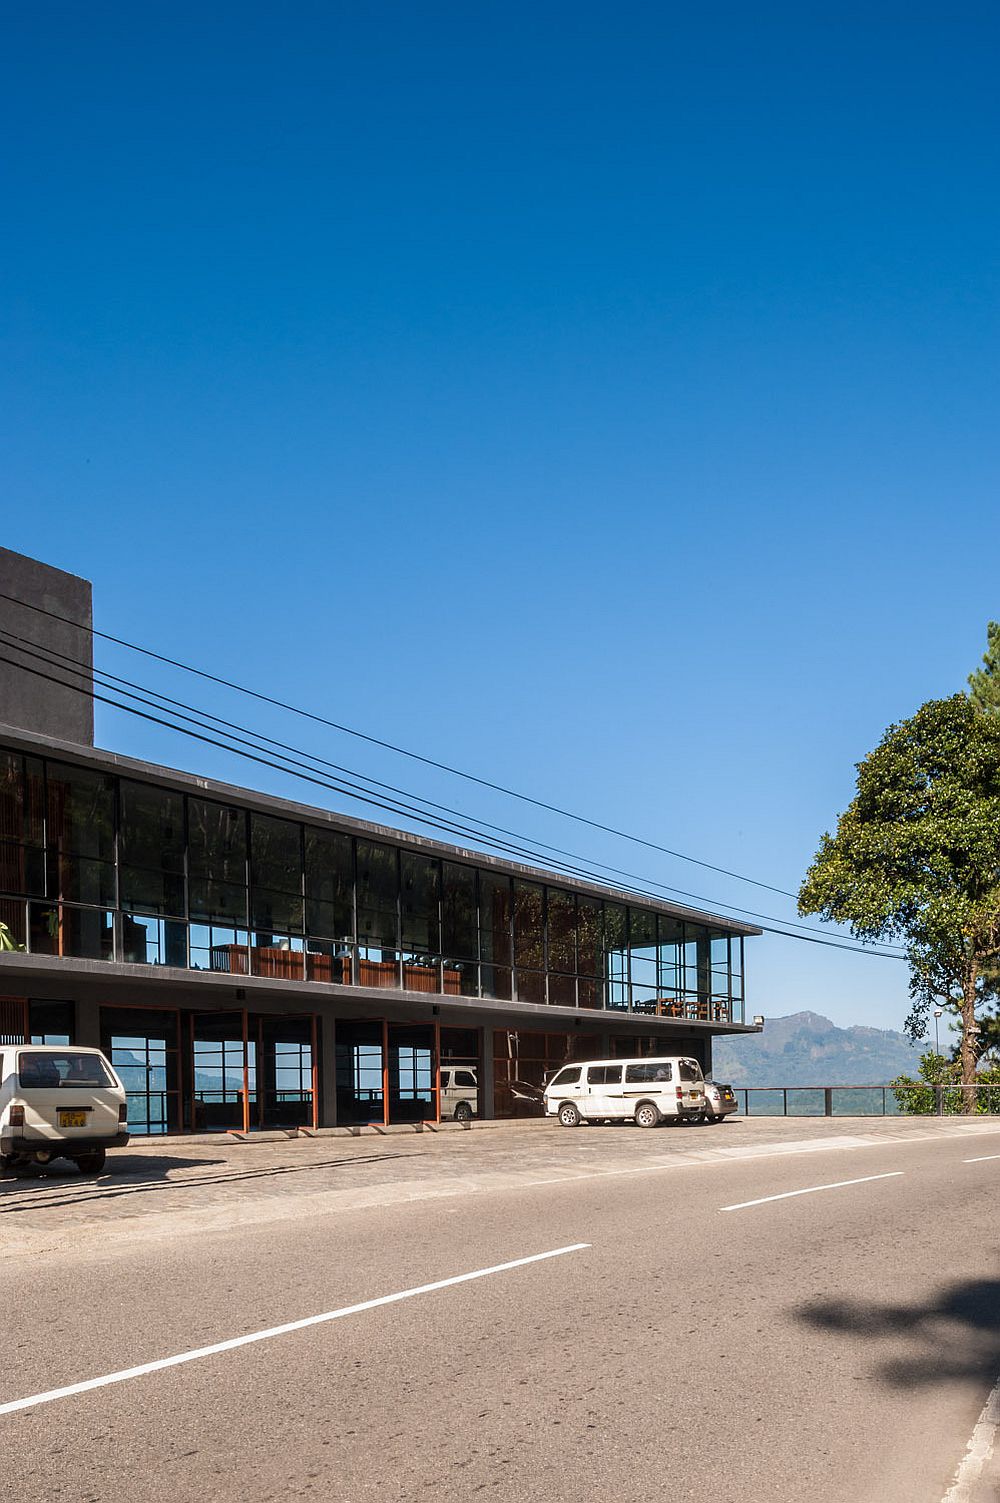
(412,1073)
(223,1073)
(360,1074)
(286,1057)
(143,1045)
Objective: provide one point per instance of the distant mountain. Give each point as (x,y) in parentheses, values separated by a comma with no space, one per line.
(807,1049)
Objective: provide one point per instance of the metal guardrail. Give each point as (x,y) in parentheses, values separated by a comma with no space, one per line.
(917,1100)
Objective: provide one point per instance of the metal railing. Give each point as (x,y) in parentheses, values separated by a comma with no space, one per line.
(917,1100)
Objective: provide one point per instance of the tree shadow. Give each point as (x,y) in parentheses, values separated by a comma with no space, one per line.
(953,1338)
(59,1184)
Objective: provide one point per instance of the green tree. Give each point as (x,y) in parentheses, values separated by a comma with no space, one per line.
(916,859)
(984,684)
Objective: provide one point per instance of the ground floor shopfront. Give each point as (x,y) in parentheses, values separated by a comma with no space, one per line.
(262,1064)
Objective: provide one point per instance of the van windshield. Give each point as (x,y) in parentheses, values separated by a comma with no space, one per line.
(689,1069)
(50,1072)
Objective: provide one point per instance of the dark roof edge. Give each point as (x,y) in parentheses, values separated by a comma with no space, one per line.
(267,803)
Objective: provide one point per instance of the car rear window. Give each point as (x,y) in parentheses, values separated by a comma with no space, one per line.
(647,1072)
(689,1069)
(49,1072)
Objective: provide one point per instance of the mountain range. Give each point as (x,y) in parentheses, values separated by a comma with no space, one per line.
(808,1049)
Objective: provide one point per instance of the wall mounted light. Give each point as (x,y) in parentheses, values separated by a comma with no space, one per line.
(758,1020)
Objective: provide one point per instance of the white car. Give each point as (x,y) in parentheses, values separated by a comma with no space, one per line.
(459,1092)
(59,1101)
(648,1091)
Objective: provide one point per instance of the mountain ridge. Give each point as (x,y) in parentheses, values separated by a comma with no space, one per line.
(806,1048)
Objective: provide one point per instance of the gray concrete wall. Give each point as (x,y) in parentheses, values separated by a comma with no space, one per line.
(26,700)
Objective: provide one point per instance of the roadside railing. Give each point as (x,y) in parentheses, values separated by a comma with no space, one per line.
(918,1100)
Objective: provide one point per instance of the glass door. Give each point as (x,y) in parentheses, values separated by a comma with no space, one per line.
(143,1045)
(223,1073)
(412,1059)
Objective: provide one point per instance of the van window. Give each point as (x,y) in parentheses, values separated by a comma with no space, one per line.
(47,1072)
(648,1072)
(464,1077)
(604,1075)
(569,1076)
(445,1077)
(689,1069)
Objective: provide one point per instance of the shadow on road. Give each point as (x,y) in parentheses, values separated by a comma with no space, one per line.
(42,1191)
(954,1338)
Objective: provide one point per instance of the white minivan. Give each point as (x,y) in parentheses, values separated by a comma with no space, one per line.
(644,1090)
(59,1101)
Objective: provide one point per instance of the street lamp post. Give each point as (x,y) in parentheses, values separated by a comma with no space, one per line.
(937,1045)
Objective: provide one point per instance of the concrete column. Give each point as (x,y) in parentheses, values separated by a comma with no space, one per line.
(327,1070)
(88,1024)
(487,1077)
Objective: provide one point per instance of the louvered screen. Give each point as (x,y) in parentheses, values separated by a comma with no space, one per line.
(13,1020)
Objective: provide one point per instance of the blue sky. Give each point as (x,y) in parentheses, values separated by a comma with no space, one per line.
(600,398)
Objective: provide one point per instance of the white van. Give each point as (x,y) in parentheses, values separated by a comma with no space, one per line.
(643,1090)
(59,1101)
(459,1092)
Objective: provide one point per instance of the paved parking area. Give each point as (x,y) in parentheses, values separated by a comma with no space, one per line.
(153,1190)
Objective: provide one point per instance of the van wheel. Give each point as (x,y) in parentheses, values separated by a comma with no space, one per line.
(647,1115)
(92,1162)
(463,1112)
(568,1115)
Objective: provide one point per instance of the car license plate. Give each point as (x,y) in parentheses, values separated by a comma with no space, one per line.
(72,1119)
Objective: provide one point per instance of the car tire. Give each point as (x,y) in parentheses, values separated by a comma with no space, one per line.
(568,1115)
(463,1112)
(647,1114)
(709,1117)
(91,1162)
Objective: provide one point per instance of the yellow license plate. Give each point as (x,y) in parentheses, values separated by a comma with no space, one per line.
(72,1119)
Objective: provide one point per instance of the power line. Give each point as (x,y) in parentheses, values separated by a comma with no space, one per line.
(256,756)
(468,824)
(401,750)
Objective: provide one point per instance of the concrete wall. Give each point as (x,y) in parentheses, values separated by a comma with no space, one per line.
(27,701)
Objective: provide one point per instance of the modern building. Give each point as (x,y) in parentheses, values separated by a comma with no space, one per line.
(250,962)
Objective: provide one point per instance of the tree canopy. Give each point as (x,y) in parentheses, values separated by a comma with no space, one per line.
(916,858)
(984,684)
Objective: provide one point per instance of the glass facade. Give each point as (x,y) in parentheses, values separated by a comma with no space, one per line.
(104,867)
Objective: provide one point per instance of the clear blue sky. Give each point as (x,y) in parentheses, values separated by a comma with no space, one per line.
(601,397)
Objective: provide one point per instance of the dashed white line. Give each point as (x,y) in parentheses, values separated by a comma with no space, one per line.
(812,1190)
(231,1345)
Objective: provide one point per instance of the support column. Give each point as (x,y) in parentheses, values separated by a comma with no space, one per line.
(487,1085)
(327,1071)
(88,1024)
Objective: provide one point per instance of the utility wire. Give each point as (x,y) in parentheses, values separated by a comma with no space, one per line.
(401,751)
(469,824)
(306,776)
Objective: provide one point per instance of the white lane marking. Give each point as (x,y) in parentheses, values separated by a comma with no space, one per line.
(978,1455)
(986,1157)
(293,1325)
(812,1190)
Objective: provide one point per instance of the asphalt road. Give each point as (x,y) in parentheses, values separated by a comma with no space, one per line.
(836,1345)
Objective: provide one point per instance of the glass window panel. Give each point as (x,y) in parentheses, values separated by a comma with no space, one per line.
(217,901)
(80,880)
(459,937)
(81,812)
(531,986)
(494,920)
(329,884)
(378,886)
(275,854)
(217,843)
(277,911)
(589,937)
(11,796)
(615,956)
(562,990)
(670,933)
(420,884)
(85,933)
(496,981)
(151,849)
(529,949)
(22,869)
(562,930)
